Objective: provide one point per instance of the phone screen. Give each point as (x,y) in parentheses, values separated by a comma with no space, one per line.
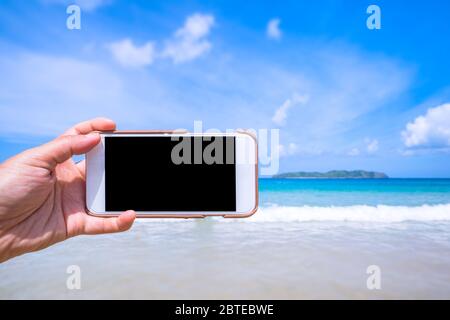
(170,173)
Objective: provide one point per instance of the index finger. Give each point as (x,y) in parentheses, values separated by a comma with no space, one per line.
(97,124)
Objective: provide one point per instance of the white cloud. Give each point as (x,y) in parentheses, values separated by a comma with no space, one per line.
(291,149)
(431,130)
(369,147)
(279,118)
(189,42)
(43,95)
(354,152)
(88,5)
(273,29)
(372,146)
(130,55)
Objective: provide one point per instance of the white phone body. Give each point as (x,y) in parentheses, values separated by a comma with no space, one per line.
(246,162)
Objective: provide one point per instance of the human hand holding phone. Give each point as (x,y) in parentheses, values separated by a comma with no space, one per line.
(42,194)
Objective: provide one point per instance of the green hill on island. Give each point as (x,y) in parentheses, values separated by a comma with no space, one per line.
(334,174)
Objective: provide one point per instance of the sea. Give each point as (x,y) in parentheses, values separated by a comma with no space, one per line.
(310,239)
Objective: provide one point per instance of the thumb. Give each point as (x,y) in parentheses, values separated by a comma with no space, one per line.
(63,148)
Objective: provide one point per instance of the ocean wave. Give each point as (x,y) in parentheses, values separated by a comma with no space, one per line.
(363,213)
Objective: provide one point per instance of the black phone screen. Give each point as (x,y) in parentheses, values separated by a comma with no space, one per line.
(166,173)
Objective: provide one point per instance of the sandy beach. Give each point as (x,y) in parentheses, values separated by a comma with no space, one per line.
(213,259)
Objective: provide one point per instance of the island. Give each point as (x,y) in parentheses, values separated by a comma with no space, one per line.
(334,174)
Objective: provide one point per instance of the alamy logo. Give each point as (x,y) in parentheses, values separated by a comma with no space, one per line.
(374,280)
(73,21)
(221,151)
(73,281)
(374,20)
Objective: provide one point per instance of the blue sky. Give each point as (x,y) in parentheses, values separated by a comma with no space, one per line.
(342,96)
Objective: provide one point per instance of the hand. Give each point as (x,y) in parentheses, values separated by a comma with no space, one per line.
(42,194)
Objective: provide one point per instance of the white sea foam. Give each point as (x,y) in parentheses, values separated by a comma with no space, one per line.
(380,213)
(362,213)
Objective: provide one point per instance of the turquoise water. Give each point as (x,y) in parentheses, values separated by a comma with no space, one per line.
(343,192)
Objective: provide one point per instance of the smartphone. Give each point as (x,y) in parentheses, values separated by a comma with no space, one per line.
(173,174)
